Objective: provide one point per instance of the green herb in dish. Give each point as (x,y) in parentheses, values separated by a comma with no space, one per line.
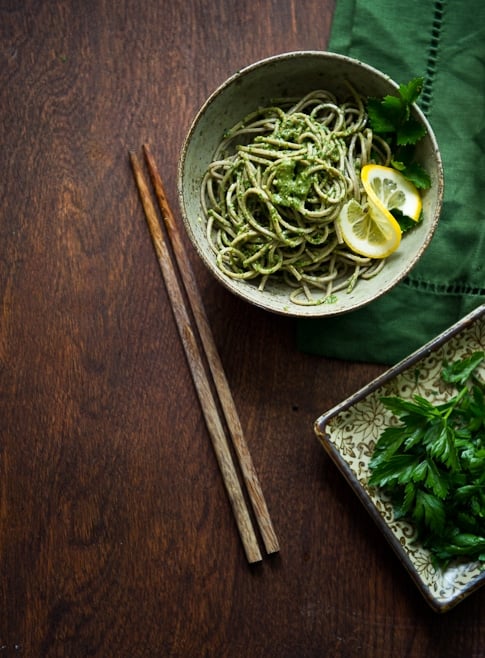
(432,464)
(391,118)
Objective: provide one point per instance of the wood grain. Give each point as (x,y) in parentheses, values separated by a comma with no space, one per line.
(116,538)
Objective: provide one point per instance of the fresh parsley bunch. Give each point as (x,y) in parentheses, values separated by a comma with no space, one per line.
(391,118)
(432,464)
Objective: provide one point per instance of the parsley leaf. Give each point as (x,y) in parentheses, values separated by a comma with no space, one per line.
(429,511)
(410,92)
(384,113)
(460,371)
(410,132)
(391,117)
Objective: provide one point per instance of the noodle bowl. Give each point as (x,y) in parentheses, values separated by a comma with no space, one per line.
(269,161)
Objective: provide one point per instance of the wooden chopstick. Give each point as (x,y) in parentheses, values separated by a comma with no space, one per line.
(198,371)
(226,399)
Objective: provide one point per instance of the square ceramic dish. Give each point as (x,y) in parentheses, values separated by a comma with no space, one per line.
(349,431)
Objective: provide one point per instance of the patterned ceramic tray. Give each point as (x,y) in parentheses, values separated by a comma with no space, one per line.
(349,431)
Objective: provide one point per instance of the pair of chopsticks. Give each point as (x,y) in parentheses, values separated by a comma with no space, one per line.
(200,373)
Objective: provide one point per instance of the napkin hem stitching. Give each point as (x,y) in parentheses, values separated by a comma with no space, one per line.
(433,54)
(444,288)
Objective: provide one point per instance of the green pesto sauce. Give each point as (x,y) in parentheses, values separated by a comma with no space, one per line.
(292,186)
(293,126)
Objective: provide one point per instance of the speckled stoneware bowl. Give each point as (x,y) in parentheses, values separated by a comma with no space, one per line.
(295,74)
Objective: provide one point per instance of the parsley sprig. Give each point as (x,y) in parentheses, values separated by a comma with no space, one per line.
(391,117)
(432,464)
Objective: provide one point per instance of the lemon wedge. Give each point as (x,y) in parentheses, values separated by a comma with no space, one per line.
(373,233)
(390,189)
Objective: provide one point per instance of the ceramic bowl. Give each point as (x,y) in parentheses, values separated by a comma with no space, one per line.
(295,74)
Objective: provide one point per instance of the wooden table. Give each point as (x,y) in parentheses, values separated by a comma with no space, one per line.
(116,535)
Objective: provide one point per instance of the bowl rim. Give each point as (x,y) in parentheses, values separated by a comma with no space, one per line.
(318,310)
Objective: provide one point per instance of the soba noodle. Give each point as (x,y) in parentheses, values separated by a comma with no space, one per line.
(275,188)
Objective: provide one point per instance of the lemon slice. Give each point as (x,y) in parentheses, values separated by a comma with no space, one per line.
(374,234)
(390,188)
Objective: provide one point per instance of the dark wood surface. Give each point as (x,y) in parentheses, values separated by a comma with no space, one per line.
(116,536)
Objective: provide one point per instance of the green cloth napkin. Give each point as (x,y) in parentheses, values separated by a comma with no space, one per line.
(443,41)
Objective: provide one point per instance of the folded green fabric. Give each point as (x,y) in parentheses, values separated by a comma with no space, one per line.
(443,41)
